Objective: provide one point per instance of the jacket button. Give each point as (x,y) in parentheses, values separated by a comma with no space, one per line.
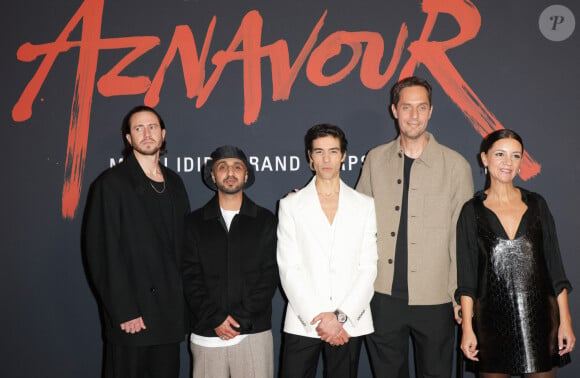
(393,233)
(153,290)
(399,181)
(390,261)
(397,208)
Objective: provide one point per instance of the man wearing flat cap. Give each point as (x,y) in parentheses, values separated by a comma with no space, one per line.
(230,274)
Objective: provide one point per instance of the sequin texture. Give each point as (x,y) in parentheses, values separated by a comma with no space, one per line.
(516,314)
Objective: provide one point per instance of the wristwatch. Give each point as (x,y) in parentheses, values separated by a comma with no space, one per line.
(342,318)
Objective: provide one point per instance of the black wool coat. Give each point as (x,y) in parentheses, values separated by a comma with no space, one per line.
(133,262)
(230,273)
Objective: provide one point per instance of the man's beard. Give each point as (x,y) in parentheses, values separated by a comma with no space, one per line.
(147,152)
(229,189)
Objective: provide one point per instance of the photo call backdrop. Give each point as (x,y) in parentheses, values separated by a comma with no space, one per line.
(255,74)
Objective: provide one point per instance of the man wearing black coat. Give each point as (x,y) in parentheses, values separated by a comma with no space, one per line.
(133,236)
(230,274)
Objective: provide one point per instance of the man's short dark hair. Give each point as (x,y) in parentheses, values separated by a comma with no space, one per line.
(126,128)
(411,81)
(320,131)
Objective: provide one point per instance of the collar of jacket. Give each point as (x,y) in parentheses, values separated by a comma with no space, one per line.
(430,153)
(480,195)
(212,208)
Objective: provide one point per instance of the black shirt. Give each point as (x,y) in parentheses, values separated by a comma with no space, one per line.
(400,287)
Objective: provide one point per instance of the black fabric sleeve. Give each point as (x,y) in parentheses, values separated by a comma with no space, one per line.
(259,296)
(207,312)
(552,249)
(104,252)
(467,254)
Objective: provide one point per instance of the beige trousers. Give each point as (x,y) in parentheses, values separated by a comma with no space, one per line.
(253,357)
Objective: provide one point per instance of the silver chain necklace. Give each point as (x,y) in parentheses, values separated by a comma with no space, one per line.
(156,190)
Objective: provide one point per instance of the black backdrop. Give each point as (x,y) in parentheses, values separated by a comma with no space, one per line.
(255,74)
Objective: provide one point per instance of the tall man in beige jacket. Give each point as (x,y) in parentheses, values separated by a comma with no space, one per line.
(419,187)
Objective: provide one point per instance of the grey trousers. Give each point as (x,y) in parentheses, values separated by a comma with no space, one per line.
(251,358)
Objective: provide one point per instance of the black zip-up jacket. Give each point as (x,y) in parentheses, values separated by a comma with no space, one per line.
(230,273)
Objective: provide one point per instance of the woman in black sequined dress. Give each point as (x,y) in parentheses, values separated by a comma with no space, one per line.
(511,283)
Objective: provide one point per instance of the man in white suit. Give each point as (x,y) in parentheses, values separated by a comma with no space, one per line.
(327,258)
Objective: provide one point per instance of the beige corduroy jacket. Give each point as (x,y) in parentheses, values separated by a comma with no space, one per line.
(441,182)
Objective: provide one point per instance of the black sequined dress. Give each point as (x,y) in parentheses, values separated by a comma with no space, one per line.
(515,310)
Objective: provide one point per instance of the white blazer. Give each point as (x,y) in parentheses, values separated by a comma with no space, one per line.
(325,267)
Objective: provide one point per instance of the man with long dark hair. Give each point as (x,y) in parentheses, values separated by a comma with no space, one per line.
(133,237)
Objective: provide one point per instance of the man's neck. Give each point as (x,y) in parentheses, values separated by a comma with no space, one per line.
(149,164)
(230,201)
(328,192)
(327,186)
(413,148)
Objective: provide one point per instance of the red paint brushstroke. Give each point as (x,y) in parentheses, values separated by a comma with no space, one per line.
(433,55)
(246,46)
